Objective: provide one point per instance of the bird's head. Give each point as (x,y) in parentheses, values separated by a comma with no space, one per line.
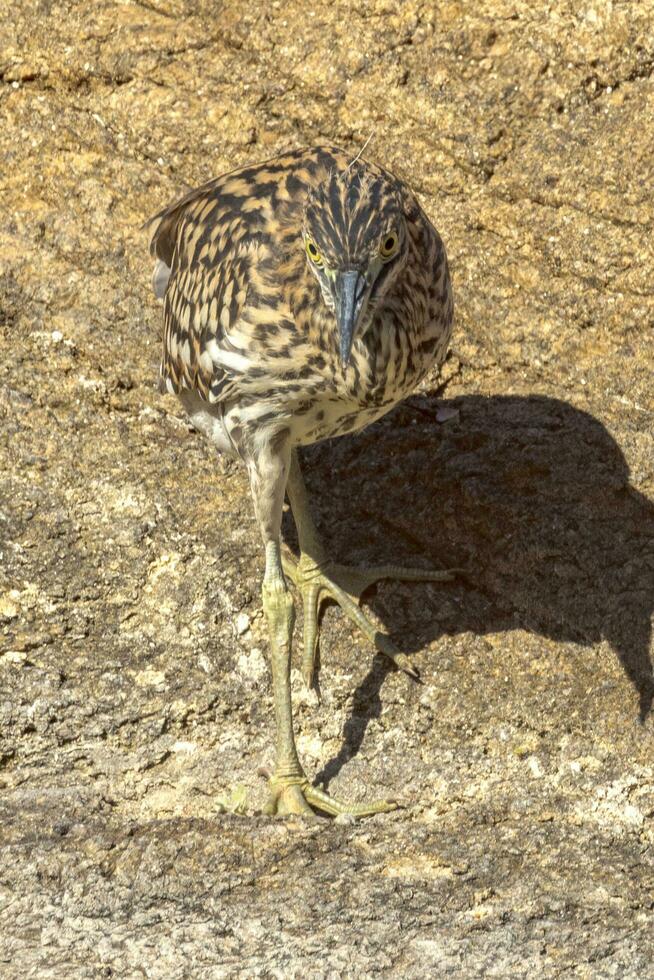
(355,239)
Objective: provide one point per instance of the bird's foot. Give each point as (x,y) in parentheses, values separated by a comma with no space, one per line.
(295,794)
(317,581)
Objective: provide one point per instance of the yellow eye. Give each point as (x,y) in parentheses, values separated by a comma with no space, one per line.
(313,253)
(389,246)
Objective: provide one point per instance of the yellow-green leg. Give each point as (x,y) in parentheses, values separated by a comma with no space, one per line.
(317,577)
(290,790)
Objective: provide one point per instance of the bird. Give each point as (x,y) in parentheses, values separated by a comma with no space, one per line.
(303,298)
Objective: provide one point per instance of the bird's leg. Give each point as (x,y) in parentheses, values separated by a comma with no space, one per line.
(317,577)
(290,789)
(289,778)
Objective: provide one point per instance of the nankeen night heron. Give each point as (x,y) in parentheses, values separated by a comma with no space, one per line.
(303,298)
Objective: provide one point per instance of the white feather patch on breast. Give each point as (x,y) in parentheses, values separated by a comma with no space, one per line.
(231,360)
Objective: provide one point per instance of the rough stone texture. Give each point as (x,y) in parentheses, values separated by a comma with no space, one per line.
(134,700)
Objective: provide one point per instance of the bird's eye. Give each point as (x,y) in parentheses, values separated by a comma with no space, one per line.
(389,246)
(313,253)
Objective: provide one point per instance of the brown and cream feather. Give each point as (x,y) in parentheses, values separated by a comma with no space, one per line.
(245,321)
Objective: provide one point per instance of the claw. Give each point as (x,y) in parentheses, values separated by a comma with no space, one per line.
(297,796)
(309,677)
(317,581)
(322,801)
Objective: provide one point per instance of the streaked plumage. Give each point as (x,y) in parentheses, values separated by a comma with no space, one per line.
(245,323)
(303,298)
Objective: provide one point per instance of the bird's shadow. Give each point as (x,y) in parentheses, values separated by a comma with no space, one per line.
(530,493)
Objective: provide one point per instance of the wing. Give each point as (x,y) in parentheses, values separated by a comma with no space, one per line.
(206,254)
(215,252)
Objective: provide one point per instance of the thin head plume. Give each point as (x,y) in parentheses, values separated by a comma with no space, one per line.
(360,153)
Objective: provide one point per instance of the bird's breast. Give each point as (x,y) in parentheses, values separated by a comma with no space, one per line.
(295,380)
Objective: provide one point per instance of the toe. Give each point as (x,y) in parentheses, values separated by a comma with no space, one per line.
(334,807)
(288,798)
(292,800)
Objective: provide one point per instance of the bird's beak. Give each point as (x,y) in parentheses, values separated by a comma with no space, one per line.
(350,289)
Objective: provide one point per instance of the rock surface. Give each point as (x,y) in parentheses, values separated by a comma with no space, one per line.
(134,694)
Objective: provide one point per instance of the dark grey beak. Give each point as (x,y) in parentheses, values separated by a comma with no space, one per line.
(349,292)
